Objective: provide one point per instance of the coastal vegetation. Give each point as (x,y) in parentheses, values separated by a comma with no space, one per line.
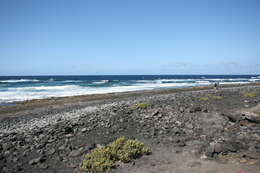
(208,96)
(141,105)
(249,94)
(103,158)
(217,97)
(204,98)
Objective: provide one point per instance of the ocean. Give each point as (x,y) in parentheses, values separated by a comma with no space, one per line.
(20,88)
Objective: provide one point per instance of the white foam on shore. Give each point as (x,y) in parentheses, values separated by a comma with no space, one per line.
(41,92)
(19,80)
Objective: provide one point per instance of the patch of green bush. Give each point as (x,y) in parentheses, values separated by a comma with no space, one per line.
(249,94)
(207,97)
(204,99)
(103,158)
(217,97)
(141,105)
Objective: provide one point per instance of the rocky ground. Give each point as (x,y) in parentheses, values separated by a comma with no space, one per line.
(189,131)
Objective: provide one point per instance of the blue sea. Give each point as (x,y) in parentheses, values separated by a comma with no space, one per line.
(20,88)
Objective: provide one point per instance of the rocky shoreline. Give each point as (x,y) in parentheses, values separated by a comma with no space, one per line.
(198,131)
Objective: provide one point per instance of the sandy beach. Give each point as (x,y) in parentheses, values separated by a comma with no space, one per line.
(188,130)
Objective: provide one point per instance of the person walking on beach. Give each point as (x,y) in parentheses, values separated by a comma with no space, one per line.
(216,86)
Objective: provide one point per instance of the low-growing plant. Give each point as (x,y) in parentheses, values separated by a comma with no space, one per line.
(98,160)
(249,94)
(204,98)
(103,158)
(141,105)
(217,97)
(132,149)
(208,95)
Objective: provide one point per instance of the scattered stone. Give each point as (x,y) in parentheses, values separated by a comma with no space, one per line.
(182,109)
(195,109)
(43,166)
(84,130)
(181,144)
(51,151)
(36,160)
(252,117)
(156,112)
(62,147)
(68,130)
(15,159)
(205,110)
(75,153)
(153,164)
(232,117)
(252,155)
(218,148)
(189,125)
(51,140)
(69,135)
(210,150)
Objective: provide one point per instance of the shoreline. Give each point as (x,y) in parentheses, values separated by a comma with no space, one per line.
(13,107)
(185,131)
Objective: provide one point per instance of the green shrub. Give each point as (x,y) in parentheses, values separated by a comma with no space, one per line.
(249,94)
(208,95)
(102,159)
(98,160)
(132,149)
(217,97)
(141,105)
(204,99)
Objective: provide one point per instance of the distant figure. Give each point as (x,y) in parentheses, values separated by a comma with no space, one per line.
(216,86)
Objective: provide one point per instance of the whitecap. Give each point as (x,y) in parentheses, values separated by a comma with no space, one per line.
(101,82)
(19,80)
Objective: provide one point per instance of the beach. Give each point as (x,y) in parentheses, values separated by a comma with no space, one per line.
(196,130)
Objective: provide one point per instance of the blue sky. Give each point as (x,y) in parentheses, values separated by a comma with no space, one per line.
(95,37)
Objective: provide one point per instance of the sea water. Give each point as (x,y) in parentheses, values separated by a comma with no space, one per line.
(20,88)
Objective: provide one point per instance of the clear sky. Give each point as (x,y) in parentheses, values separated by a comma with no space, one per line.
(95,37)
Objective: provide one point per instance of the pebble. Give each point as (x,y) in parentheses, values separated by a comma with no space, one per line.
(84,130)
(43,166)
(36,160)
(75,153)
(51,151)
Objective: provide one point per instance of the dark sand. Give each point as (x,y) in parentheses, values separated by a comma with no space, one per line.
(185,132)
